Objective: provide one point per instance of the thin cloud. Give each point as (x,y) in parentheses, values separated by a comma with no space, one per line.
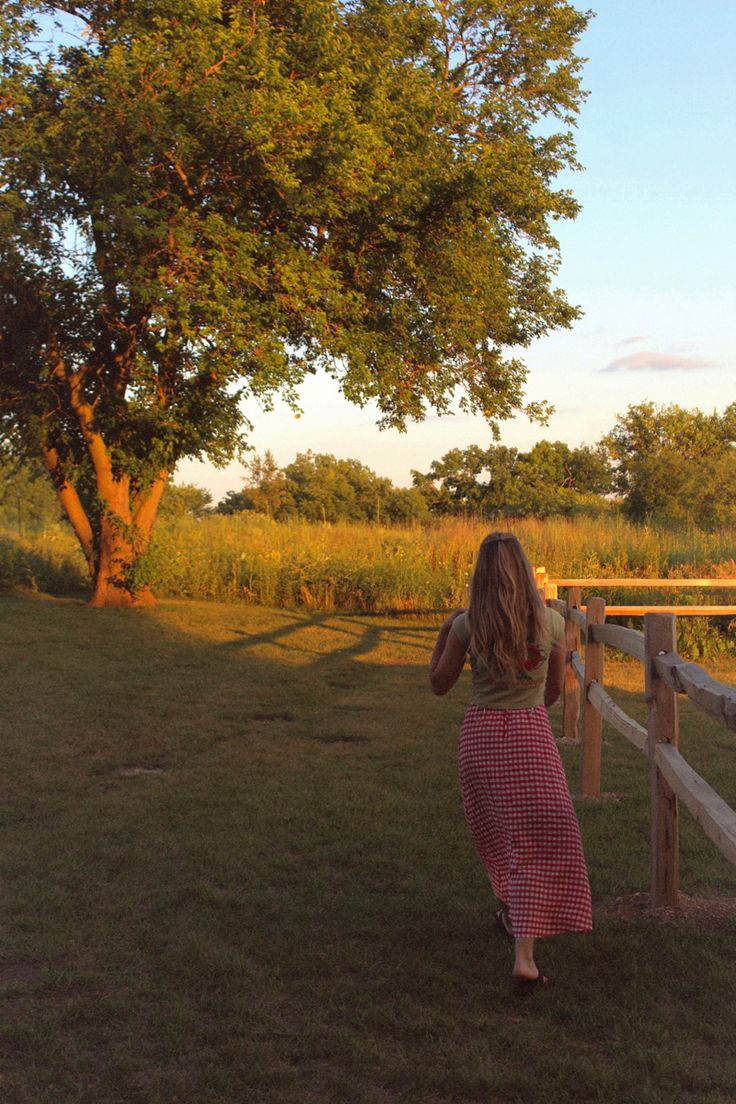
(633,340)
(657,362)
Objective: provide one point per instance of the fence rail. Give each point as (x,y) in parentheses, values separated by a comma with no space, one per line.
(625,584)
(550,587)
(666,675)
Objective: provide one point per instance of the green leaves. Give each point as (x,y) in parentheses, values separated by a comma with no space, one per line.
(363,182)
(549,479)
(202,202)
(676,464)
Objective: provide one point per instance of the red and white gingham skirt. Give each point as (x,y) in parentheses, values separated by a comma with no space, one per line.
(522,821)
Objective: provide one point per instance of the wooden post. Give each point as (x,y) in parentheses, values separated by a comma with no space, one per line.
(590,759)
(660,635)
(540,574)
(571,691)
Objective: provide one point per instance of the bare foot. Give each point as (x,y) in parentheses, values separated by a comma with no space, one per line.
(525,967)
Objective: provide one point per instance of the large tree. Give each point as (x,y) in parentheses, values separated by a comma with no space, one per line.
(204,201)
(676,464)
(549,479)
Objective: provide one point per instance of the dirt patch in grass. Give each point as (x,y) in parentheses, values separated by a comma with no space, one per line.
(136,772)
(278,716)
(344,738)
(702,912)
(14,974)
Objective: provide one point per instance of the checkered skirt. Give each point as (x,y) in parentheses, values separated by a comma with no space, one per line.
(521,820)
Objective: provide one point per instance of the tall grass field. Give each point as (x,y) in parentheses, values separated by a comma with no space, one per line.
(365,567)
(373,569)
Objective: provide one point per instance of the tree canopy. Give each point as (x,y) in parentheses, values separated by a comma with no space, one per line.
(676,464)
(549,479)
(320,487)
(202,202)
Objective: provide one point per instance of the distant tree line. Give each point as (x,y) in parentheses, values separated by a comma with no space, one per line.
(319,487)
(659,463)
(549,479)
(675,464)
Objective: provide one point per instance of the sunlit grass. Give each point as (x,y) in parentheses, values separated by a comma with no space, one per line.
(374,569)
(368,568)
(235,868)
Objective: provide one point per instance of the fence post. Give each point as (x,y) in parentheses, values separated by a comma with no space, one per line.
(540,574)
(571,692)
(590,759)
(660,635)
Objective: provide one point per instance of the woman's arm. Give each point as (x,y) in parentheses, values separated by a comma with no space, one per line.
(555,673)
(448,657)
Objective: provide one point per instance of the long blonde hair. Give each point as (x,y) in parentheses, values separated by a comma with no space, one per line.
(505,612)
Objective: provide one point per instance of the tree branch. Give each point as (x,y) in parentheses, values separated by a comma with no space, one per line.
(145,506)
(72,504)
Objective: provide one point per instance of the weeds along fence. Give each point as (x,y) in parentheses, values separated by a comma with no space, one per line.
(666,676)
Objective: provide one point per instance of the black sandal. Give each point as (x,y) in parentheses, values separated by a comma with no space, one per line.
(503,922)
(523,986)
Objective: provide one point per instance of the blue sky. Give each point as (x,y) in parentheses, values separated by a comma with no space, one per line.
(651,259)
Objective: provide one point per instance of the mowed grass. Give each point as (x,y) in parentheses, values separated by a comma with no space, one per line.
(235,869)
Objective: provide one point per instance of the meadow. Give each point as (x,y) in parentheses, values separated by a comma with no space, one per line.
(369,568)
(364,567)
(235,869)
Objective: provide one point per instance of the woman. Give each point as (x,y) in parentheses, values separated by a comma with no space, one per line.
(515,795)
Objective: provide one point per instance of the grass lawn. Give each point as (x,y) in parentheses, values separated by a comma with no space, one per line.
(235,869)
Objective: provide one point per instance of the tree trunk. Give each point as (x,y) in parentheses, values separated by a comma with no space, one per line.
(125,533)
(126,511)
(116,559)
(123,537)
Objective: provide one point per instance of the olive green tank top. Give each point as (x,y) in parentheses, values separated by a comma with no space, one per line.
(489,692)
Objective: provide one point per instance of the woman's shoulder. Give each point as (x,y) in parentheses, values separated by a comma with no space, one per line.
(554,623)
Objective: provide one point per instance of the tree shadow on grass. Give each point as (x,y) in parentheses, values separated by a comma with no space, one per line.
(56,571)
(366,633)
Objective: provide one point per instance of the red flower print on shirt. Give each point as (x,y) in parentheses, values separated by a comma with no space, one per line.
(534,658)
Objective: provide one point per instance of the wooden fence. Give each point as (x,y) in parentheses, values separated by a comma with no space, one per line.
(666,676)
(550,587)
